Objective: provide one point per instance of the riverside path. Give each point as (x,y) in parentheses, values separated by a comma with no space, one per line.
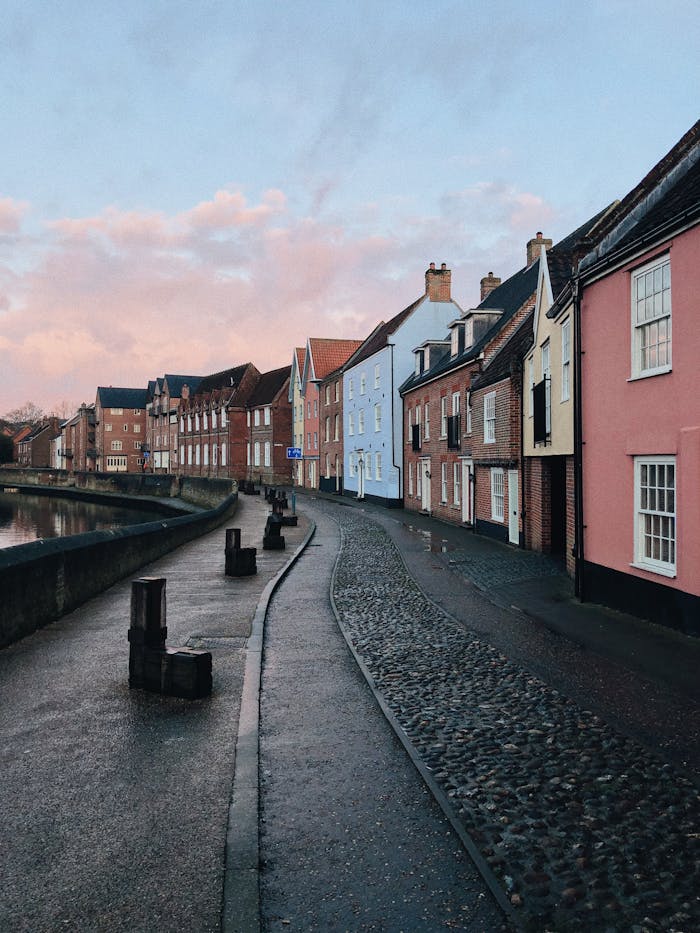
(122,811)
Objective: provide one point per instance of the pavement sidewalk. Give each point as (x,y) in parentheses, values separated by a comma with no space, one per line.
(115,802)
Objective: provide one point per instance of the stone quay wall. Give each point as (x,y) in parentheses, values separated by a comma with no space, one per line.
(43,580)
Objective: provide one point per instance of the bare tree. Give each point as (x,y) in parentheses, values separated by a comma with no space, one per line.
(29,413)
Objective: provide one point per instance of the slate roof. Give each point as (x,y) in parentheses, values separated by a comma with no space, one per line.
(631,212)
(268,386)
(508,358)
(561,257)
(176,382)
(681,201)
(227,378)
(508,297)
(112,397)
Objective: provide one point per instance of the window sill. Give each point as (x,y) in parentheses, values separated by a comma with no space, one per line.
(650,373)
(661,571)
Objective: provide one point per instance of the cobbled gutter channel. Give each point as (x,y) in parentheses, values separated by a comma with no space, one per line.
(583,827)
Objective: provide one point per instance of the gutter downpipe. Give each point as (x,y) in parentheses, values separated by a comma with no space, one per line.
(398,468)
(521,368)
(579,575)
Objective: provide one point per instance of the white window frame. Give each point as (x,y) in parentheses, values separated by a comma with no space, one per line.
(490,418)
(351,424)
(223,420)
(368,465)
(426,421)
(377,376)
(337,390)
(327,429)
(363,383)
(655,508)
(361,421)
(256,453)
(378,466)
(267,454)
(351,388)
(651,313)
(443,416)
(546,370)
(497,494)
(116,445)
(378,417)
(197,454)
(351,464)
(468,409)
(410,478)
(531,386)
(247,453)
(206,455)
(223,455)
(456,482)
(566,360)
(336,426)
(267,412)
(443,483)
(256,418)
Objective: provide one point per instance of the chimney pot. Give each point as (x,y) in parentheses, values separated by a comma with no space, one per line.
(438,283)
(534,246)
(488,283)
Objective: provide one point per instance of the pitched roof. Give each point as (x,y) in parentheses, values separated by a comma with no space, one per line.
(507,360)
(381,333)
(561,257)
(227,378)
(113,397)
(509,298)
(176,382)
(328,353)
(269,385)
(676,169)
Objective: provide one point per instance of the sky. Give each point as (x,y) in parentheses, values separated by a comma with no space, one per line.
(187,186)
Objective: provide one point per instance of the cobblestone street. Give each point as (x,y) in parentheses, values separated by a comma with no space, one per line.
(585,828)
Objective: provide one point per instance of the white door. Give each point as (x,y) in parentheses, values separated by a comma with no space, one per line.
(513,523)
(467,492)
(360,476)
(425,488)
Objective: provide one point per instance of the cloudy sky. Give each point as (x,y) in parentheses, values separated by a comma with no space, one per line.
(185,186)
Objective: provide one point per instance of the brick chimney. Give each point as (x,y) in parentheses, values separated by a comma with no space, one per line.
(488,283)
(438,283)
(533,247)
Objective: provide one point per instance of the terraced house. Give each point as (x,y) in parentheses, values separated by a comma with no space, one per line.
(638,430)
(213,431)
(162,421)
(269,422)
(442,473)
(373,421)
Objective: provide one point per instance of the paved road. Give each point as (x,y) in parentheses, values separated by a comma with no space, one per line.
(350,837)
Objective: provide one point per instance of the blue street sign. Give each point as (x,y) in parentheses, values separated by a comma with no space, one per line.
(294,453)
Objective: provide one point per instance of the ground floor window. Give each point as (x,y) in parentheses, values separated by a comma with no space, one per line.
(377,466)
(497,494)
(456,482)
(410,479)
(443,483)
(655,506)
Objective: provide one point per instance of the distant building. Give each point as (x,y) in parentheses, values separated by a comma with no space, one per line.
(162,421)
(269,422)
(120,429)
(34,448)
(373,423)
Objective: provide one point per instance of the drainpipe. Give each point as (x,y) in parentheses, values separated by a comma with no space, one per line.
(579,582)
(521,369)
(398,468)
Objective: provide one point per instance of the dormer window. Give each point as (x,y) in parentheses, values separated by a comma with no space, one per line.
(468,334)
(420,362)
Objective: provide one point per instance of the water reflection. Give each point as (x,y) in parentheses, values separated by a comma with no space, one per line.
(26,517)
(433,541)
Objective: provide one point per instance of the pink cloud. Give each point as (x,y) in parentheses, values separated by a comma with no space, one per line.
(124,296)
(11,214)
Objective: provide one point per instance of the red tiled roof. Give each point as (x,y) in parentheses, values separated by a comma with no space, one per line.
(329,354)
(301,353)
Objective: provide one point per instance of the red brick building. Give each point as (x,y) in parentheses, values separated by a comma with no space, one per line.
(212,427)
(269,422)
(78,449)
(439,436)
(162,422)
(120,429)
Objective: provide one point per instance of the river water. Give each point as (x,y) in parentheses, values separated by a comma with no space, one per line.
(26,517)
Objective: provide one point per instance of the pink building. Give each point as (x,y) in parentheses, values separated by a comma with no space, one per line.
(638,428)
